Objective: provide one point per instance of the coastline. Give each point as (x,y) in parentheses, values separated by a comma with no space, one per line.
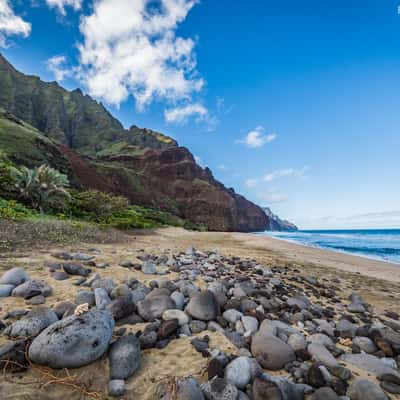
(378,283)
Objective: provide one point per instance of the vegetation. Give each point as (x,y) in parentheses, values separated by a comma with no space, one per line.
(43,188)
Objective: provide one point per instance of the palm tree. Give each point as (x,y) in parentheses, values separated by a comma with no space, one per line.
(41,186)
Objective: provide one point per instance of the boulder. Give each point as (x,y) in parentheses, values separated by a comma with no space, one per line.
(203,306)
(363,389)
(6,289)
(153,307)
(32,288)
(124,356)
(271,352)
(121,307)
(74,341)
(182,317)
(101,298)
(15,276)
(321,354)
(31,325)
(76,269)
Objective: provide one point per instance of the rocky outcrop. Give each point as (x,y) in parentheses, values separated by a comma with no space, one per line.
(277,224)
(171,179)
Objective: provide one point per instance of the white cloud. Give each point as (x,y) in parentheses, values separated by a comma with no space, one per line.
(256,138)
(62,4)
(56,65)
(11,24)
(273,196)
(251,183)
(130,47)
(299,173)
(181,114)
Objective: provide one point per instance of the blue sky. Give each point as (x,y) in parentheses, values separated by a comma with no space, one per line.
(294,104)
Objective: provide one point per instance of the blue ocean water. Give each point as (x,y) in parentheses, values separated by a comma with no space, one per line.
(382,244)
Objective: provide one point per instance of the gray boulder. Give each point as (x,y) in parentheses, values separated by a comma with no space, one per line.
(324,393)
(6,289)
(32,288)
(76,269)
(116,387)
(363,389)
(34,322)
(85,296)
(153,307)
(121,307)
(364,344)
(238,372)
(101,298)
(74,341)
(219,389)
(203,306)
(149,268)
(322,355)
(124,356)
(14,276)
(271,352)
(369,363)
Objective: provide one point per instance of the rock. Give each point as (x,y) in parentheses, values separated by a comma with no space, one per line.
(6,289)
(153,307)
(363,389)
(320,354)
(346,329)
(116,387)
(31,325)
(320,338)
(297,342)
(121,307)
(148,340)
(60,275)
(149,268)
(188,389)
(324,393)
(219,389)
(124,356)
(62,255)
(263,390)
(15,276)
(82,257)
(167,328)
(238,372)
(369,363)
(203,306)
(232,315)
(250,324)
(315,376)
(179,299)
(76,269)
(74,341)
(139,294)
(271,352)
(107,284)
(102,300)
(13,356)
(36,300)
(85,296)
(64,309)
(32,288)
(182,318)
(364,344)
(197,326)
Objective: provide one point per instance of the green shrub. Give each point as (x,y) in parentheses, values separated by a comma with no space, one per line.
(96,206)
(7,184)
(11,209)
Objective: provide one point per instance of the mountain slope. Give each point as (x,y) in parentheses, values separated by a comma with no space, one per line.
(43,123)
(68,117)
(277,224)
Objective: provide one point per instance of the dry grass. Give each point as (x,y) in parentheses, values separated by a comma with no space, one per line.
(24,235)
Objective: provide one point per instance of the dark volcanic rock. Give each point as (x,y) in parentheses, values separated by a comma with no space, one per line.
(74,341)
(124,356)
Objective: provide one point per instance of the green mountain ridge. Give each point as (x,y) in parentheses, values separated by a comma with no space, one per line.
(69,117)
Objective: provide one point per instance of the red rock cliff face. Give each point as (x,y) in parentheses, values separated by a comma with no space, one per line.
(171,179)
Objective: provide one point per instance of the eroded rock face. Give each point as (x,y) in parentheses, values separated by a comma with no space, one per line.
(74,341)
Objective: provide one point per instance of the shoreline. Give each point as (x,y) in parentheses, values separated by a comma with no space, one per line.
(361,255)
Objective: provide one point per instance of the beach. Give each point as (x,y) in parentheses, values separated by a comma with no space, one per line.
(378,283)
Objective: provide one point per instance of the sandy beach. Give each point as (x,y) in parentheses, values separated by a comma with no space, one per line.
(378,282)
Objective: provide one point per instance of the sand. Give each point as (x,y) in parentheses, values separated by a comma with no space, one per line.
(378,282)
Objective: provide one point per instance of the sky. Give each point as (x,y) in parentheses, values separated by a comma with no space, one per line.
(294,104)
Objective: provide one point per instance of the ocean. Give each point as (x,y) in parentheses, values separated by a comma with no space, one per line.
(381,244)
